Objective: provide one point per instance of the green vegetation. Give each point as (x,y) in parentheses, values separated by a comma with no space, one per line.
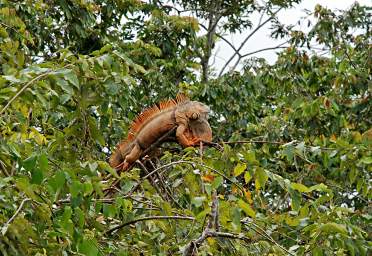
(291,174)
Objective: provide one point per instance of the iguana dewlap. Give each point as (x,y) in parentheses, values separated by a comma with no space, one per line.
(189,117)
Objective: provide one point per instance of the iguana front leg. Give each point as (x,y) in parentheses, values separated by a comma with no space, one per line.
(181,137)
(132,156)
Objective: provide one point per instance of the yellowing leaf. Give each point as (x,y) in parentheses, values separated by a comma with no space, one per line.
(247,177)
(239,169)
(247,208)
(333,138)
(333,227)
(248,196)
(300,187)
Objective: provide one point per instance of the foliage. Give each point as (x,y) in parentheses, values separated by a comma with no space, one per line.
(294,173)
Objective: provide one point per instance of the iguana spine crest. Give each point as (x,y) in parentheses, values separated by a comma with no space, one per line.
(144,118)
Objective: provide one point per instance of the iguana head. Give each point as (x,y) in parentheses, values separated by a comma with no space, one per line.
(195,114)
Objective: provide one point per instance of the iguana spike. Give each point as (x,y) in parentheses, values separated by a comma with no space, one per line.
(148,114)
(181,97)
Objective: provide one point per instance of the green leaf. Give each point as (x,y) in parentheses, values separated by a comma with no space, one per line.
(300,187)
(88,248)
(239,169)
(75,188)
(218,181)
(333,227)
(72,78)
(37,176)
(57,181)
(43,163)
(295,199)
(29,163)
(198,201)
(247,208)
(64,86)
(261,178)
(366,160)
(250,156)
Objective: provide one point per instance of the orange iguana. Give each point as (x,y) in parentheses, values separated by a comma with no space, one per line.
(189,118)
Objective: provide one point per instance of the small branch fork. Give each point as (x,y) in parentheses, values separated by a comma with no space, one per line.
(211,230)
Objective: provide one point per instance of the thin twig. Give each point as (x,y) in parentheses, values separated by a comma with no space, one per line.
(4,229)
(221,37)
(246,222)
(4,169)
(237,52)
(148,218)
(28,85)
(185,162)
(254,141)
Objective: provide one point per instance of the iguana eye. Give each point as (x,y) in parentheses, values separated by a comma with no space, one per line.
(194,116)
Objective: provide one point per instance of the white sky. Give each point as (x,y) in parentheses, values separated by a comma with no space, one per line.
(262,40)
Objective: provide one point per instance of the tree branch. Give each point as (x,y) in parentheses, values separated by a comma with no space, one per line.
(28,85)
(221,37)
(211,230)
(148,218)
(263,233)
(237,52)
(211,31)
(4,229)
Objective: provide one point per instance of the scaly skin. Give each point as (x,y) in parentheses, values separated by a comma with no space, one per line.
(190,118)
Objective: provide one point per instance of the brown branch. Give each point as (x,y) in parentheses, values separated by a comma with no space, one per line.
(148,218)
(211,230)
(168,195)
(221,37)
(211,31)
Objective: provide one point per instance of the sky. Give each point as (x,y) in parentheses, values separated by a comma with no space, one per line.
(262,40)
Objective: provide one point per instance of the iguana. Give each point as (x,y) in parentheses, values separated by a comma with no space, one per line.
(188,118)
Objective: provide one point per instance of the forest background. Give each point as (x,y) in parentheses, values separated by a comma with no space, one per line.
(290,173)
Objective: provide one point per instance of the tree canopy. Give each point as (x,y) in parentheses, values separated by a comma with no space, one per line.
(289,172)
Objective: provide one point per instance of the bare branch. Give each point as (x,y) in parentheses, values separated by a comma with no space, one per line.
(211,230)
(4,229)
(221,37)
(148,218)
(262,50)
(259,26)
(211,31)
